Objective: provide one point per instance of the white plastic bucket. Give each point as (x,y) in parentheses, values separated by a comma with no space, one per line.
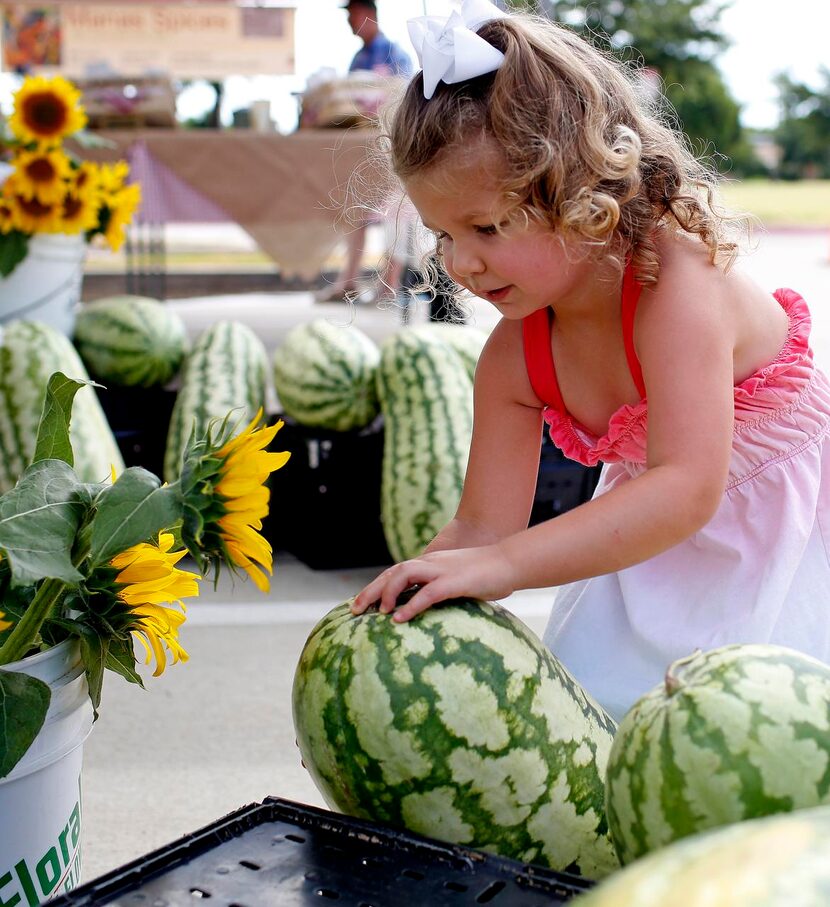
(46,285)
(40,799)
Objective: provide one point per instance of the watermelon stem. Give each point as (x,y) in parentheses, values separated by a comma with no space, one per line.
(672,682)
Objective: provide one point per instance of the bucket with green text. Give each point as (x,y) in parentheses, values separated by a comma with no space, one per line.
(40,799)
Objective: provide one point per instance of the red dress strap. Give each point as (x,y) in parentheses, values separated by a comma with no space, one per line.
(631,289)
(539,358)
(541,370)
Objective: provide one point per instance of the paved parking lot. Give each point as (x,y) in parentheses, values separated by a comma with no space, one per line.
(215,734)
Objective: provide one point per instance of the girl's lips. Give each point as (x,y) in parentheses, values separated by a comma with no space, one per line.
(497,295)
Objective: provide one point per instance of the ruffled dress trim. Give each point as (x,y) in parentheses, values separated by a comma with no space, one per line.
(758,397)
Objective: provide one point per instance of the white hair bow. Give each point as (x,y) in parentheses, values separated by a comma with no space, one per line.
(449,49)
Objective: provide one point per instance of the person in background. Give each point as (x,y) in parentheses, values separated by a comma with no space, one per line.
(384,57)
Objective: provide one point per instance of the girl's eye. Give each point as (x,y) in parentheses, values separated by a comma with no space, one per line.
(486,229)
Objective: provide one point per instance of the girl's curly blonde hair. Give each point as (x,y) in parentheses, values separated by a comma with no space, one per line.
(582,151)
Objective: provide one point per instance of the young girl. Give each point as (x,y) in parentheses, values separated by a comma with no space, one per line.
(586,223)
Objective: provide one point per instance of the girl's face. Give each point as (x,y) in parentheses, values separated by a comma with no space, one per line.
(519,269)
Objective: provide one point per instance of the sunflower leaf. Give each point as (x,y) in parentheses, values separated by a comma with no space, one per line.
(14,247)
(24,701)
(94,657)
(121,659)
(132,510)
(53,429)
(39,521)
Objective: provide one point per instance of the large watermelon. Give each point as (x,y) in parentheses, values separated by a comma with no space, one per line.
(134,341)
(324,375)
(30,352)
(426,398)
(459,725)
(778,861)
(734,733)
(224,373)
(466,340)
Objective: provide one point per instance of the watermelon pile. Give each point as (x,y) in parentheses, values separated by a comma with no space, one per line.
(419,381)
(462,726)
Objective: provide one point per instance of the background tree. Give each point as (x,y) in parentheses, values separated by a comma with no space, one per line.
(803,133)
(679,40)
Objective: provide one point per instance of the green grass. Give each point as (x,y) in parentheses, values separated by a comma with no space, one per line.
(805,203)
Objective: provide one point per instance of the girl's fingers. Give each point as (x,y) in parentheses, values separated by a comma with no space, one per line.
(424,598)
(386,588)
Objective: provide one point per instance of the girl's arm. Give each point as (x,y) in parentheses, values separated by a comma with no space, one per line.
(500,480)
(685,346)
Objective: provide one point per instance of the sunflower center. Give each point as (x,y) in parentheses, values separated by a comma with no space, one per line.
(41,170)
(44,113)
(33,207)
(71,206)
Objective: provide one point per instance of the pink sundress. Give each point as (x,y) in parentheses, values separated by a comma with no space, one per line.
(758,572)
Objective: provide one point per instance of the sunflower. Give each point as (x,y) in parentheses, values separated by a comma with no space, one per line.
(79,213)
(146,581)
(8,220)
(85,180)
(4,624)
(42,175)
(29,214)
(112,178)
(118,212)
(226,499)
(46,110)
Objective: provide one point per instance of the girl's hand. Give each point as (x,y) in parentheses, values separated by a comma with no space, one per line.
(483,572)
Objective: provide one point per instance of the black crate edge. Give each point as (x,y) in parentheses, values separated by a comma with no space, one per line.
(493,876)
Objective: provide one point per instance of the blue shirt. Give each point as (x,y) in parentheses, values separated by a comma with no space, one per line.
(384,56)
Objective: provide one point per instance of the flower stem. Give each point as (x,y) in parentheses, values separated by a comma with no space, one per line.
(25,633)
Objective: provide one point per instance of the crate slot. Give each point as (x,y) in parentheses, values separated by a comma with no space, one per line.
(328,893)
(249,865)
(491,892)
(413,874)
(200,893)
(455,886)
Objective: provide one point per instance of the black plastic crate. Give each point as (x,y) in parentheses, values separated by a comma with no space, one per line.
(139,418)
(279,853)
(562,484)
(325,502)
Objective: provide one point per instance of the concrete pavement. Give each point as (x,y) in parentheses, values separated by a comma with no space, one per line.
(215,734)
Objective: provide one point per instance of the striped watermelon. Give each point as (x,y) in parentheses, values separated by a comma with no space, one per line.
(225,371)
(324,375)
(778,861)
(426,398)
(736,733)
(465,339)
(30,352)
(459,725)
(133,341)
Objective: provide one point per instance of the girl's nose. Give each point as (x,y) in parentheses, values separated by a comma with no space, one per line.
(463,261)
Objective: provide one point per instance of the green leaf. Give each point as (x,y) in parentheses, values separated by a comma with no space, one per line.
(132,510)
(94,658)
(53,429)
(24,701)
(39,521)
(121,660)
(14,247)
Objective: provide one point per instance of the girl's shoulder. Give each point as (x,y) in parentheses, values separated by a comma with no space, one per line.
(501,366)
(687,271)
